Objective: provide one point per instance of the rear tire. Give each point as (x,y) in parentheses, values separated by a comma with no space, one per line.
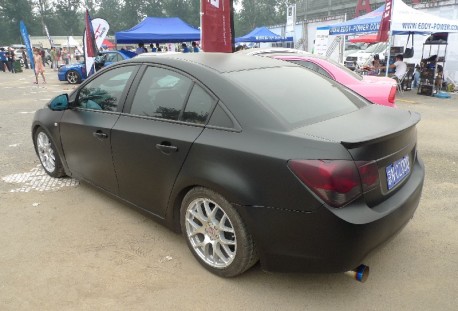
(47,154)
(216,234)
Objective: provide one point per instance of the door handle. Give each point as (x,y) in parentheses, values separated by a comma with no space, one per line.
(166,147)
(100,135)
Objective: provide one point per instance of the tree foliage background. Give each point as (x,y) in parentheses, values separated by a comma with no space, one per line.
(66,17)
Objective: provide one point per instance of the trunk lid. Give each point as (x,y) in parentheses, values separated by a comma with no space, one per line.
(373,133)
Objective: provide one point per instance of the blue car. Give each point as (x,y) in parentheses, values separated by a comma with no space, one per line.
(75,73)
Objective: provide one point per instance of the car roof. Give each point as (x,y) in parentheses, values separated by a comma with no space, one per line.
(220,62)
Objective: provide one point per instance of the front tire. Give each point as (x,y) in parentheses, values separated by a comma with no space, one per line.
(47,154)
(216,234)
(73,77)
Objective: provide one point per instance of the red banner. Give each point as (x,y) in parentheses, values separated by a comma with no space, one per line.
(383,31)
(90,46)
(217,26)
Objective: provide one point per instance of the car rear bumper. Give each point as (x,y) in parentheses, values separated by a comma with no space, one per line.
(329,241)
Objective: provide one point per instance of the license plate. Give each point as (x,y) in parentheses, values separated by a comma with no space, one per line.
(397,171)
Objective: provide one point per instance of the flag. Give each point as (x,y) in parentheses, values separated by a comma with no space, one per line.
(101,28)
(384,29)
(26,38)
(51,42)
(90,48)
(217,26)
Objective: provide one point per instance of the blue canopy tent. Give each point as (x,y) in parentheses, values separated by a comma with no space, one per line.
(159,29)
(367,23)
(262,34)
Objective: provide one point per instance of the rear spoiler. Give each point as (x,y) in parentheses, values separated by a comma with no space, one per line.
(383,135)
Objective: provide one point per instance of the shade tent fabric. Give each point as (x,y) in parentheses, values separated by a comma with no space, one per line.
(159,29)
(403,20)
(261,34)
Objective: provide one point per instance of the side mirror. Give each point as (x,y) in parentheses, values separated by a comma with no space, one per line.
(59,103)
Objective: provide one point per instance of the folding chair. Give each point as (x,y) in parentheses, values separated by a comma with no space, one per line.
(400,80)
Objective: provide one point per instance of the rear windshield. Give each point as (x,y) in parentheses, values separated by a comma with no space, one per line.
(296,95)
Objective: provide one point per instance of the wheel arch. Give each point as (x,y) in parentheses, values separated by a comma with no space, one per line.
(54,136)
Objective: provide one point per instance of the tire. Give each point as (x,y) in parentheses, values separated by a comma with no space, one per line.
(46,151)
(73,77)
(221,243)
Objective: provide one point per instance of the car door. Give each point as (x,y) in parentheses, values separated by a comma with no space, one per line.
(152,139)
(85,129)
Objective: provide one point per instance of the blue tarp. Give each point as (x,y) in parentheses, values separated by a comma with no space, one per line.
(261,34)
(160,30)
(367,23)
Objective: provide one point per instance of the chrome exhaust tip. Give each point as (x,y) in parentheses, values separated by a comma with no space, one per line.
(360,274)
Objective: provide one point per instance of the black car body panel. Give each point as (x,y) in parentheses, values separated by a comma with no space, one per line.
(242,151)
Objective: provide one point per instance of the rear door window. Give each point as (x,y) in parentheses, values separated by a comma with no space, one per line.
(198,106)
(161,94)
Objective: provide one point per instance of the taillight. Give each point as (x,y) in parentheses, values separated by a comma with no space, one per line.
(368,171)
(392,96)
(336,182)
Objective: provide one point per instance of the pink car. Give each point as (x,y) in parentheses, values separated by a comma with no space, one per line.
(380,90)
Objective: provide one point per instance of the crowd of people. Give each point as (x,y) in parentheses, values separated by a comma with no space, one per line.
(53,58)
(155,48)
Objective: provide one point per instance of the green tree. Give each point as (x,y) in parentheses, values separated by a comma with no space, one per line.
(70,17)
(11,13)
(257,13)
(187,10)
(111,11)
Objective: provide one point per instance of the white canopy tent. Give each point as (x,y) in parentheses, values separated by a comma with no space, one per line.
(406,19)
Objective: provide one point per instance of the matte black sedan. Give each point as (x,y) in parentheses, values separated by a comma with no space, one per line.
(250,158)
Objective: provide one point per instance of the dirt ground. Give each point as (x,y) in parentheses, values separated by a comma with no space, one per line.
(67,246)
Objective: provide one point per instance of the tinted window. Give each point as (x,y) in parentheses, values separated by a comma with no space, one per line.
(297,95)
(312,66)
(161,94)
(198,106)
(309,65)
(112,57)
(104,92)
(220,118)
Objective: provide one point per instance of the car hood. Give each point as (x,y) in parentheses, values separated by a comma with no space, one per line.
(366,125)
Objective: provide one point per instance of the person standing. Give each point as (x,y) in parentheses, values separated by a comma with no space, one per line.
(3,59)
(43,57)
(184,48)
(59,56)
(10,60)
(53,58)
(141,48)
(416,77)
(195,48)
(65,59)
(24,58)
(39,67)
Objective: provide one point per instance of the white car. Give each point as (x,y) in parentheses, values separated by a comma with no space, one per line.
(364,57)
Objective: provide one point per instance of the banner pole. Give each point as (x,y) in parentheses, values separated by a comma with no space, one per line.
(390,38)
